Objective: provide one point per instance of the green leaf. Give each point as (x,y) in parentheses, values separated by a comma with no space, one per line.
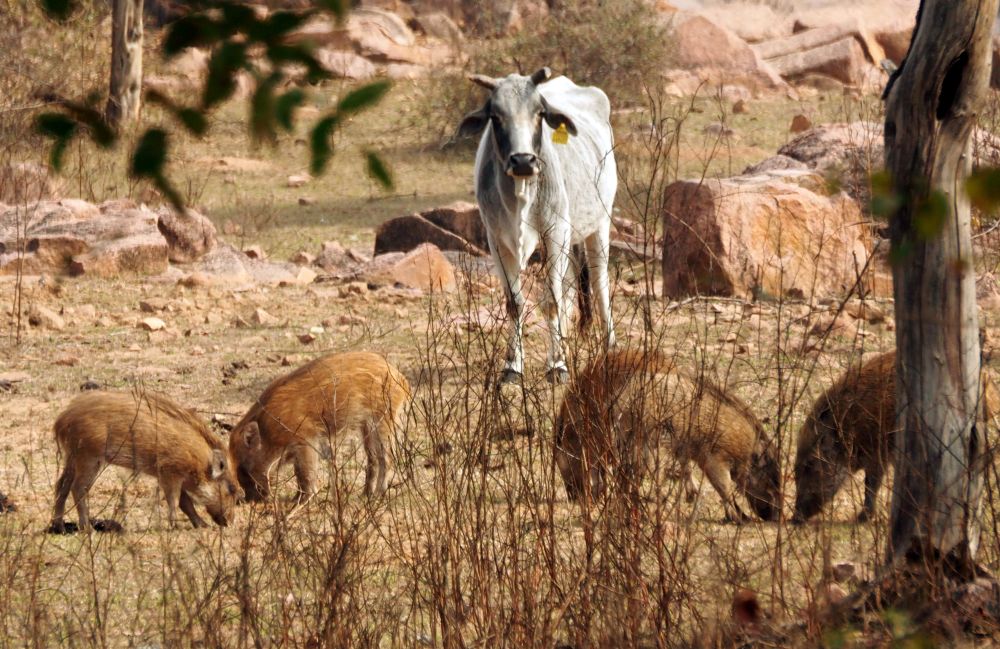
(193,30)
(150,154)
(363,97)
(337,7)
(222,67)
(983,187)
(932,215)
(884,200)
(168,191)
(193,119)
(319,144)
(281,23)
(262,111)
(58,9)
(60,128)
(284,107)
(378,170)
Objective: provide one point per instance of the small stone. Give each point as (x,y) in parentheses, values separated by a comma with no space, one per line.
(317,330)
(197,351)
(153,305)
(306,200)
(844,571)
(740,107)
(298,180)
(307,338)
(303,258)
(833,594)
(290,359)
(152,324)
(90,384)
(195,280)
(353,288)
(232,229)
(305,276)
(254,252)
(799,124)
(263,318)
(351,319)
(40,316)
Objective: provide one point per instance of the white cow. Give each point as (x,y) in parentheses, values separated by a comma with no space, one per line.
(545,173)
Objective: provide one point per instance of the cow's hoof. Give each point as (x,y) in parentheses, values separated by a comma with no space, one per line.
(557,375)
(509,376)
(63,527)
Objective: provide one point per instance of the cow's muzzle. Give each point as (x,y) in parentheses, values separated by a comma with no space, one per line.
(522,165)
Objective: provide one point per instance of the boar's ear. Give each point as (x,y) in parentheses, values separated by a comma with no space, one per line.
(251,436)
(217,465)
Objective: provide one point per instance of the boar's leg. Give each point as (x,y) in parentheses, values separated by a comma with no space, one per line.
(172,493)
(375,450)
(305,459)
(873,480)
(718,473)
(84,474)
(187,506)
(63,486)
(690,486)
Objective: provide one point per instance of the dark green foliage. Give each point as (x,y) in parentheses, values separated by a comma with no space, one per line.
(377,169)
(231,30)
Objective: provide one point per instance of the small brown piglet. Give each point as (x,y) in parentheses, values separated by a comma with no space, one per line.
(300,411)
(628,403)
(147,433)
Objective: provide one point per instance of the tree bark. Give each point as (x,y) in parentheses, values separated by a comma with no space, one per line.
(126,62)
(932,103)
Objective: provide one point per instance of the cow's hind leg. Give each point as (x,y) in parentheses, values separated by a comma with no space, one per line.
(598,245)
(508,269)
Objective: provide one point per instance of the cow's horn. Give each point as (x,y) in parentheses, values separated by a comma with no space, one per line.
(541,76)
(484,81)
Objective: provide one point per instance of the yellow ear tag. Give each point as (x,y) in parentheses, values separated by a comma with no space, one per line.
(561,135)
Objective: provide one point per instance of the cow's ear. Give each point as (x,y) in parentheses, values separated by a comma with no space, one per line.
(474,123)
(555,118)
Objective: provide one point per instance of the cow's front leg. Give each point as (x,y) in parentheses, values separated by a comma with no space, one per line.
(508,268)
(598,247)
(556,307)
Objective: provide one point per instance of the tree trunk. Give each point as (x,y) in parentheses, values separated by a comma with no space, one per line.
(126,62)
(932,103)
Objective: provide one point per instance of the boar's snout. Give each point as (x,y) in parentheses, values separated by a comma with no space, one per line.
(252,490)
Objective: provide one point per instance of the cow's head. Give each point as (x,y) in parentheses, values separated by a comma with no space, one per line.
(515,110)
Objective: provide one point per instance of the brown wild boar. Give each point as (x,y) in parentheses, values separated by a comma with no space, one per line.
(851,427)
(147,433)
(624,405)
(314,403)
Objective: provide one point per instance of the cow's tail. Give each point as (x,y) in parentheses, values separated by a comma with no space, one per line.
(583,297)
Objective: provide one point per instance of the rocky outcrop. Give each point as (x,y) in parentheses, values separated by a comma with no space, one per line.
(76,237)
(189,235)
(753,236)
(716,55)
